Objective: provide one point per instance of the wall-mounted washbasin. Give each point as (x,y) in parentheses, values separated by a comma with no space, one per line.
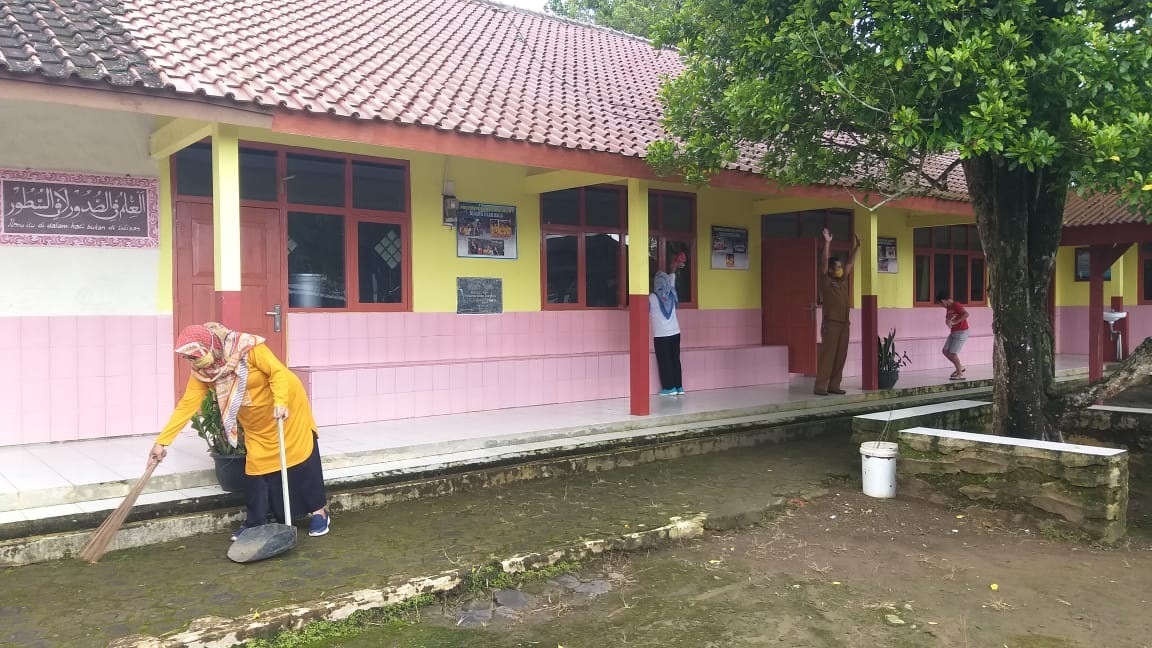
(1112,316)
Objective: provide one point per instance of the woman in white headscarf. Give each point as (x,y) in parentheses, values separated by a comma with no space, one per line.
(662,305)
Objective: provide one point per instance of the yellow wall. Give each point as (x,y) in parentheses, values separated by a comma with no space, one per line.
(1070,292)
(726,288)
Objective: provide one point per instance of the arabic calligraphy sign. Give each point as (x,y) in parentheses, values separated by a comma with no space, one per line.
(77,209)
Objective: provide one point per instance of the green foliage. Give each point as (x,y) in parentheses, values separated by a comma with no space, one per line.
(323,631)
(209,425)
(866,89)
(637,17)
(890,358)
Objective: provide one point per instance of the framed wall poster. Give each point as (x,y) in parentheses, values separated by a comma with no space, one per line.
(78,209)
(729,248)
(886,255)
(485,231)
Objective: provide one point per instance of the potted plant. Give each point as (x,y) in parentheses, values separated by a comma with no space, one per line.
(890,361)
(209,425)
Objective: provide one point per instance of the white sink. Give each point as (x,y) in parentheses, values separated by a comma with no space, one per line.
(1112,316)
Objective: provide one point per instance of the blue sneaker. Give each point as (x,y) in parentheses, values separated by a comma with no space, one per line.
(237,532)
(679,391)
(667,392)
(319,524)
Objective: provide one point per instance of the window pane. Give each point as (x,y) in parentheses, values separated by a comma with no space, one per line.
(923,278)
(922,237)
(959,237)
(602,269)
(561,207)
(258,175)
(1147,279)
(561,251)
(812,223)
(940,238)
(683,275)
(602,207)
(316,261)
(315,180)
(941,274)
(960,277)
(1146,248)
(378,186)
(380,258)
(840,225)
(974,238)
(977,280)
(780,226)
(677,215)
(194,171)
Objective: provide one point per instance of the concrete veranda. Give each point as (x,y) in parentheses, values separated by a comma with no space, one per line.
(60,479)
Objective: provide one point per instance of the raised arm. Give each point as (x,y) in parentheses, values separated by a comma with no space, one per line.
(825,254)
(852,258)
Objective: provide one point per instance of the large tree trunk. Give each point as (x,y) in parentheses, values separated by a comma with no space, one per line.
(1019,214)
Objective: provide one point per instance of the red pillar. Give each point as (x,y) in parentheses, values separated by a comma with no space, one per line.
(1100,258)
(228,308)
(638,355)
(869,345)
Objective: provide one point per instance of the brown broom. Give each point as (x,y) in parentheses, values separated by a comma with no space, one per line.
(98,544)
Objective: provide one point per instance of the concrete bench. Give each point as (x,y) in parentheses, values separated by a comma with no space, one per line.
(1130,427)
(1084,486)
(970,415)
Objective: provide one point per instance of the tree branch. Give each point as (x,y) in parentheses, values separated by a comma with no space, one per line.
(1134,370)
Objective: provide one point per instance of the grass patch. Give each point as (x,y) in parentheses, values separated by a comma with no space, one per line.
(400,614)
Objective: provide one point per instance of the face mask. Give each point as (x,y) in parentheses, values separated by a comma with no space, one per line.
(204,361)
(838,273)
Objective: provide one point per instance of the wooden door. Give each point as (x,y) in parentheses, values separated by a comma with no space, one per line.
(261,266)
(788,300)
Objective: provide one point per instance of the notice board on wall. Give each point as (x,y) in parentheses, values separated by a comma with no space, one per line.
(479,295)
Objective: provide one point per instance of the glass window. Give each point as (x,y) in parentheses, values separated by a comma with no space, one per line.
(960,277)
(922,237)
(258,175)
(923,279)
(677,213)
(314,180)
(380,187)
(603,207)
(942,281)
(683,275)
(978,280)
(316,261)
(561,207)
(1147,279)
(839,225)
(777,226)
(194,170)
(562,258)
(380,254)
(959,234)
(812,223)
(602,270)
(940,238)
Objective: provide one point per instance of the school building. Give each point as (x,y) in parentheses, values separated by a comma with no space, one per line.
(428,207)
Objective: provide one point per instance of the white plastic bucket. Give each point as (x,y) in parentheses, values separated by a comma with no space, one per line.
(878,466)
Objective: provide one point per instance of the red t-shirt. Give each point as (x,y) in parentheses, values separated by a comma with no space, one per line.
(956,310)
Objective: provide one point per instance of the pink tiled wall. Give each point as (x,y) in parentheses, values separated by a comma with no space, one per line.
(84,377)
(367,367)
(1072,327)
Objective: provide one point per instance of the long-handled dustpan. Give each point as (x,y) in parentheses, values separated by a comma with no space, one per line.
(268,540)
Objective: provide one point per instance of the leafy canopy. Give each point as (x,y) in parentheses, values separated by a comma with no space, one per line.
(632,16)
(834,89)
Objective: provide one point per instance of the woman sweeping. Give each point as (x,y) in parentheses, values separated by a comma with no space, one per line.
(662,303)
(254,389)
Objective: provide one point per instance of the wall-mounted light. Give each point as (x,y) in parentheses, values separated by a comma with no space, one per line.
(450,203)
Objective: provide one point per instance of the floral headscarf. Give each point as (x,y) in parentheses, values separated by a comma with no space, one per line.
(664,287)
(229,374)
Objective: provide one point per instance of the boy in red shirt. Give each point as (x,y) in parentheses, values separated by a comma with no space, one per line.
(956,318)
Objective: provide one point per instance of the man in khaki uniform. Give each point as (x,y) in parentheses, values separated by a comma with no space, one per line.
(837,296)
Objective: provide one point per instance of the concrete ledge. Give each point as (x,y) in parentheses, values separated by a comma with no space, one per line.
(1130,427)
(952,415)
(1084,486)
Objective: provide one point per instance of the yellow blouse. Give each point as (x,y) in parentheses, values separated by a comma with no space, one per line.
(270,383)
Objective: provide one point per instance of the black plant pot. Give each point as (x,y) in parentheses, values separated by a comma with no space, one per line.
(887,379)
(230,472)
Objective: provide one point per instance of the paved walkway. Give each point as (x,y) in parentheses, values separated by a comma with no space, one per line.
(60,479)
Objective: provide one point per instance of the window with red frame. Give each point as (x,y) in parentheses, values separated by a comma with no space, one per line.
(1146,273)
(810,224)
(584,248)
(949,258)
(672,230)
(347,221)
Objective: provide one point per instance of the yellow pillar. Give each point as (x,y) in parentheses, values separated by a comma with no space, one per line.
(867,271)
(638,288)
(866,268)
(226,207)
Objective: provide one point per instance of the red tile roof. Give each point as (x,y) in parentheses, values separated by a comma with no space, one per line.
(459,65)
(1099,209)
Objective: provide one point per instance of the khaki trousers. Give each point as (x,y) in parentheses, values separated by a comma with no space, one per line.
(833,353)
